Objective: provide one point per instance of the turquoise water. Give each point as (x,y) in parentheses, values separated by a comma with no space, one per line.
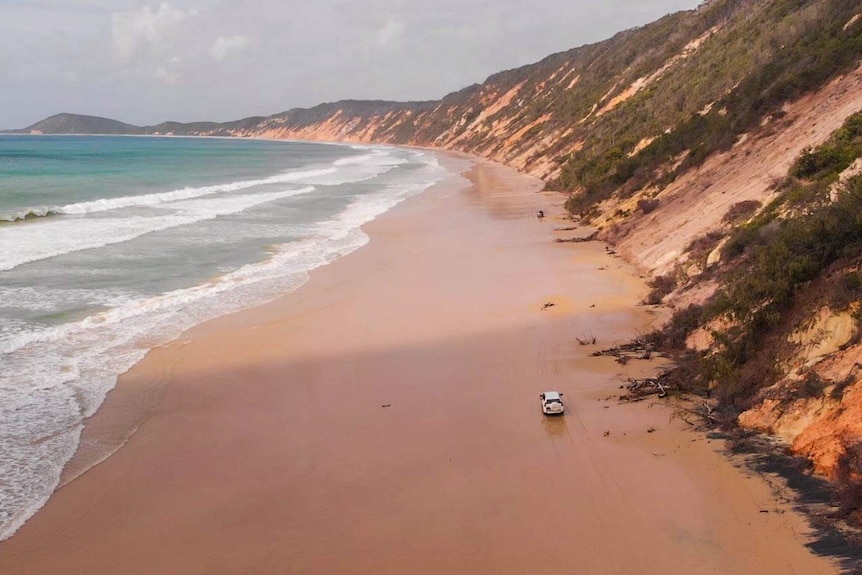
(111,245)
(46,171)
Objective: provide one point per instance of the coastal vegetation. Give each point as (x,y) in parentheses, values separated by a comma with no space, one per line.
(782,51)
(812,228)
(800,254)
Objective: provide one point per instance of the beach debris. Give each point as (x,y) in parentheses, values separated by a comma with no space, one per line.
(547,305)
(594,305)
(638,349)
(540,214)
(386,405)
(701,415)
(577,240)
(607,433)
(658,454)
(640,389)
(589,340)
(651,430)
(571,229)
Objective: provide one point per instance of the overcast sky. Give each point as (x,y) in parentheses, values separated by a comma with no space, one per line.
(145,62)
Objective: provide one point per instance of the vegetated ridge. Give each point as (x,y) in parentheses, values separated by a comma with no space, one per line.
(78,124)
(720,150)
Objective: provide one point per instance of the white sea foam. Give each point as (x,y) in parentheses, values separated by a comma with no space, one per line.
(25,244)
(359,168)
(53,378)
(107,204)
(52,238)
(188,193)
(47,300)
(367,166)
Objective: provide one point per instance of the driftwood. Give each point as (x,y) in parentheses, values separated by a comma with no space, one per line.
(571,229)
(642,388)
(701,415)
(637,349)
(589,238)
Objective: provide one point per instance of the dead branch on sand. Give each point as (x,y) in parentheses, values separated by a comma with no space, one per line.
(640,389)
(589,238)
(638,349)
(700,415)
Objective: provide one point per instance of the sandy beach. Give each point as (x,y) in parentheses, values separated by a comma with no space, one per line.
(385,419)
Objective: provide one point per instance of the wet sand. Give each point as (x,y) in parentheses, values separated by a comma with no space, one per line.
(385,419)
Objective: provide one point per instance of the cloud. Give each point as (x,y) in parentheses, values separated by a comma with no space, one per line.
(162,74)
(169,73)
(226,46)
(393,30)
(139,31)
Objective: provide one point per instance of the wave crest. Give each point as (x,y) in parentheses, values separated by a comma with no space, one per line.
(31,214)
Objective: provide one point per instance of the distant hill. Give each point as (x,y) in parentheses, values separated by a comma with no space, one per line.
(78,124)
(299,118)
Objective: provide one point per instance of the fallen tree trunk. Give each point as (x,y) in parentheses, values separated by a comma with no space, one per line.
(589,238)
(637,349)
(640,389)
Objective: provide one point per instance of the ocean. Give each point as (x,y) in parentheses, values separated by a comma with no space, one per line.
(110,246)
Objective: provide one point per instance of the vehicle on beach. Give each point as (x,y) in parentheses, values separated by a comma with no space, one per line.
(552,403)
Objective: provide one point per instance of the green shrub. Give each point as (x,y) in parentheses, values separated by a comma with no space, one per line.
(673,335)
(648,205)
(811,386)
(661,286)
(741,211)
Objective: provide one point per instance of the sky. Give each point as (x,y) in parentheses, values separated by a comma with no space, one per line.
(145,62)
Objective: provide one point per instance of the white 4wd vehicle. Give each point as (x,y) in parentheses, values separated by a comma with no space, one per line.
(552,403)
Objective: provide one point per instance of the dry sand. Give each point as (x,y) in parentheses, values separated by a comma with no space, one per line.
(385,419)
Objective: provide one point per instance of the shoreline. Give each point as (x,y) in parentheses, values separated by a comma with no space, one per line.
(30,470)
(138,401)
(440,312)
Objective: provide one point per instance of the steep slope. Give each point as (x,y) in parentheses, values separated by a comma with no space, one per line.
(698,202)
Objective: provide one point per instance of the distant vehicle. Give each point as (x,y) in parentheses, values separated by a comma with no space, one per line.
(552,403)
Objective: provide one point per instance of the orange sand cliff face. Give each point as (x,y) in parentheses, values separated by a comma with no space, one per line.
(823,427)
